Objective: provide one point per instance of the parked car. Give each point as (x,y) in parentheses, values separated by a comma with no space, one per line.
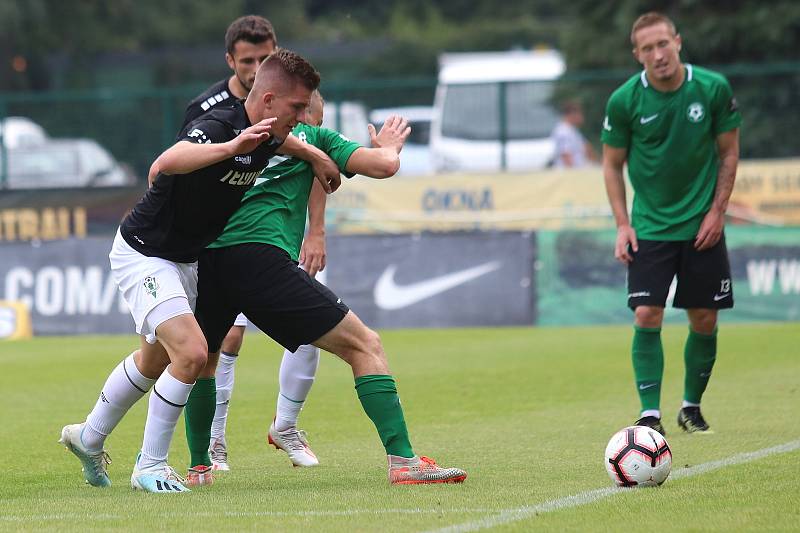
(415,160)
(17,132)
(349,119)
(33,160)
(493,110)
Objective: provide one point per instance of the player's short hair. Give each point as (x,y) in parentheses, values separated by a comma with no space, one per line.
(291,66)
(651,19)
(281,70)
(250,28)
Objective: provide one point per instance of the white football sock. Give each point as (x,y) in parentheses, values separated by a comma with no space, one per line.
(652,412)
(167,400)
(296,377)
(123,388)
(689,404)
(225,378)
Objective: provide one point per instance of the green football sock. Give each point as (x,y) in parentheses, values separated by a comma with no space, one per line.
(648,365)
(699,355)
(198,415)
(378,396)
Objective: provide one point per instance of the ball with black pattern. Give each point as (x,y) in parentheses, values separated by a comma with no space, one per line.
(638,456)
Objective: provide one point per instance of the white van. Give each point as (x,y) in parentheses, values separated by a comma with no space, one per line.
(471,132)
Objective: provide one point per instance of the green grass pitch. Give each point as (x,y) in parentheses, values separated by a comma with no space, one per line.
(526,411)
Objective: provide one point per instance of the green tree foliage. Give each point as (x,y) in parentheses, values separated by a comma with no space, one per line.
(715,34)
(140,43)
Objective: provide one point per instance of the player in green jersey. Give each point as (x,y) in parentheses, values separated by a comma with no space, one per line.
(274,213)
(253,269)
(248,41)
(677,127)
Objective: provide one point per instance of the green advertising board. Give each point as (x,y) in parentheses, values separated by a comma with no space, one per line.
(580,282)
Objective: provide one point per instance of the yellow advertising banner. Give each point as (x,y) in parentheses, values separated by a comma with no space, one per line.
(15,321)
(766,192)
(471,201)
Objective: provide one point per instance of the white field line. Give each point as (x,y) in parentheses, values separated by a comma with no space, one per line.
(497,517)
(583,498)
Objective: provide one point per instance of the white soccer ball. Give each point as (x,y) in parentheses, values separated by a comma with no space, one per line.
(638,456)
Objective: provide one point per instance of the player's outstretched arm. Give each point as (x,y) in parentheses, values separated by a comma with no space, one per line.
(383,159)
(613,162)
(325,170)
(713,223)
(185,156)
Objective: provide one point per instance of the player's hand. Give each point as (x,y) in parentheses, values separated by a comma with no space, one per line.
(394,132)
(327,173)
(249,139)
(710,230)
(312,253)
(626,241)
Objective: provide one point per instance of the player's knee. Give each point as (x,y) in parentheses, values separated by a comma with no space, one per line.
(649,317)
(371,351)
(703,321)
(192,356)
(371,342)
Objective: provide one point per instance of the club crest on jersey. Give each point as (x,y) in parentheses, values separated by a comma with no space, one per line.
(151,286)
(695,112)
(243,159)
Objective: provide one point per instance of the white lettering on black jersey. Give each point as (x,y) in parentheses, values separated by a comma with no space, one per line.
(182,214)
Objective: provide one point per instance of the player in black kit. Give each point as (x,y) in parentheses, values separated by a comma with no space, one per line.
(248,42)
(199,183)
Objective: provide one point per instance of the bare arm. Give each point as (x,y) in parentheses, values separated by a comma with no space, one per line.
(613,162)
(714,222)
(383,159)
(312,252)
(325,170)
(184,156)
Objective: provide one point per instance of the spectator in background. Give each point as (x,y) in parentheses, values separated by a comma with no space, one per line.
(572,148)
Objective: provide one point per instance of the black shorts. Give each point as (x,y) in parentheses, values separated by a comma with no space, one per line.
(704,278)
(275,294)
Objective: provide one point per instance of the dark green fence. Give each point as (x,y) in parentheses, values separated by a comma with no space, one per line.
(136,125)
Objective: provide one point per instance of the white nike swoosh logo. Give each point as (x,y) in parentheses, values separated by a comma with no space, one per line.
(390,296)
(647,386)
(718,297)
(645,120)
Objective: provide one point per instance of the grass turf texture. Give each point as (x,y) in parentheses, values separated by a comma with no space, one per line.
(527,412)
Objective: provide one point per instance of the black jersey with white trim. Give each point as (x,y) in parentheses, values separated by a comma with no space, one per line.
(181,214)
(219,93)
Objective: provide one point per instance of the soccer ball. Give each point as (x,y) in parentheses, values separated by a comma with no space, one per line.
(638,456)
